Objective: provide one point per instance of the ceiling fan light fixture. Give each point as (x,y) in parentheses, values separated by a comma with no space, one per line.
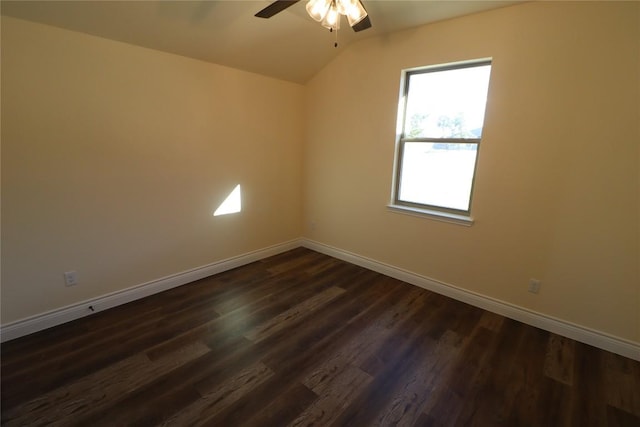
(342,6)
(355,12)
(332,18)
(328,12)
(317,9)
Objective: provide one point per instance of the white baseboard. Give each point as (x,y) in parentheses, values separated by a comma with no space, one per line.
(567,329)
(66,314)
(56,317)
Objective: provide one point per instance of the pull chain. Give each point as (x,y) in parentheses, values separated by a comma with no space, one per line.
(335,44)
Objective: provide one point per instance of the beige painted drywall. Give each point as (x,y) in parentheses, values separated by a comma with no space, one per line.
(114,158)
(556,193)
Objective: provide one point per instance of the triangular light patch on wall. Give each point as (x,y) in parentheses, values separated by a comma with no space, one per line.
(232,204)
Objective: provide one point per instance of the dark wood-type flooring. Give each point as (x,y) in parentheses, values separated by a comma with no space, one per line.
(302,339)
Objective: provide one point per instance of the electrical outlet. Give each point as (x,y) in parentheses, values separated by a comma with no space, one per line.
(70,278)
(534,286)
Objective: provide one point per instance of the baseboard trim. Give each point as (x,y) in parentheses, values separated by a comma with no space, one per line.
(66,314)
(56,317)
(567,329)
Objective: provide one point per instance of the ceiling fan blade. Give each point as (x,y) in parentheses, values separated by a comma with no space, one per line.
(362,25)
(275,8)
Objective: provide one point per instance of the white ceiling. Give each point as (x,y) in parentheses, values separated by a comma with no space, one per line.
(289,46)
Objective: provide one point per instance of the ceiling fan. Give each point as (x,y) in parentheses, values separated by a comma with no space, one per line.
(327,12)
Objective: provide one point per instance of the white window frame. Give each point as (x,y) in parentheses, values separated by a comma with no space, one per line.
(441,213)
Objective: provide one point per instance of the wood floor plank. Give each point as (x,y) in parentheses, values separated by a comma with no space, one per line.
(302,262)
(47,355)
(301,338)
(327,329)
(334,398)
(419,323)
(254,295)
(152,404)
(618,418)
(216,399)
(295,314)
(459,392)
(491,321)
(419,382)
(394,362)
(364,345)
(276,401)
(621,376)
(527,405)
(588,387)
(247,315)
(495,397)
(555,402)
(99,389)
(281,410)
(558,363)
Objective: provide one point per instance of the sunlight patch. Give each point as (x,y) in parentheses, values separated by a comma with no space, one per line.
(232,204)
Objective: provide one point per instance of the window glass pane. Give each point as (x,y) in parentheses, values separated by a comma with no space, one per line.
(438,174)
(447,103)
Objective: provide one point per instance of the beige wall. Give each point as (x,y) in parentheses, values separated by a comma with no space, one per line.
(114,158)
(556,194)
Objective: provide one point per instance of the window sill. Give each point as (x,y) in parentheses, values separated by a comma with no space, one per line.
(431,214)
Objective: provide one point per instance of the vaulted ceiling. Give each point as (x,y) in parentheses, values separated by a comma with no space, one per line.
(289,46)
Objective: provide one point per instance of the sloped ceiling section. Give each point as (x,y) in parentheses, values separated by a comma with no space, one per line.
(289,46)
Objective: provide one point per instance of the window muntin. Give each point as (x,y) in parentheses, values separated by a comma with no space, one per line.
(441,125)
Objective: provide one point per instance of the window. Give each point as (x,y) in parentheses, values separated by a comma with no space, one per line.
(440,126)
